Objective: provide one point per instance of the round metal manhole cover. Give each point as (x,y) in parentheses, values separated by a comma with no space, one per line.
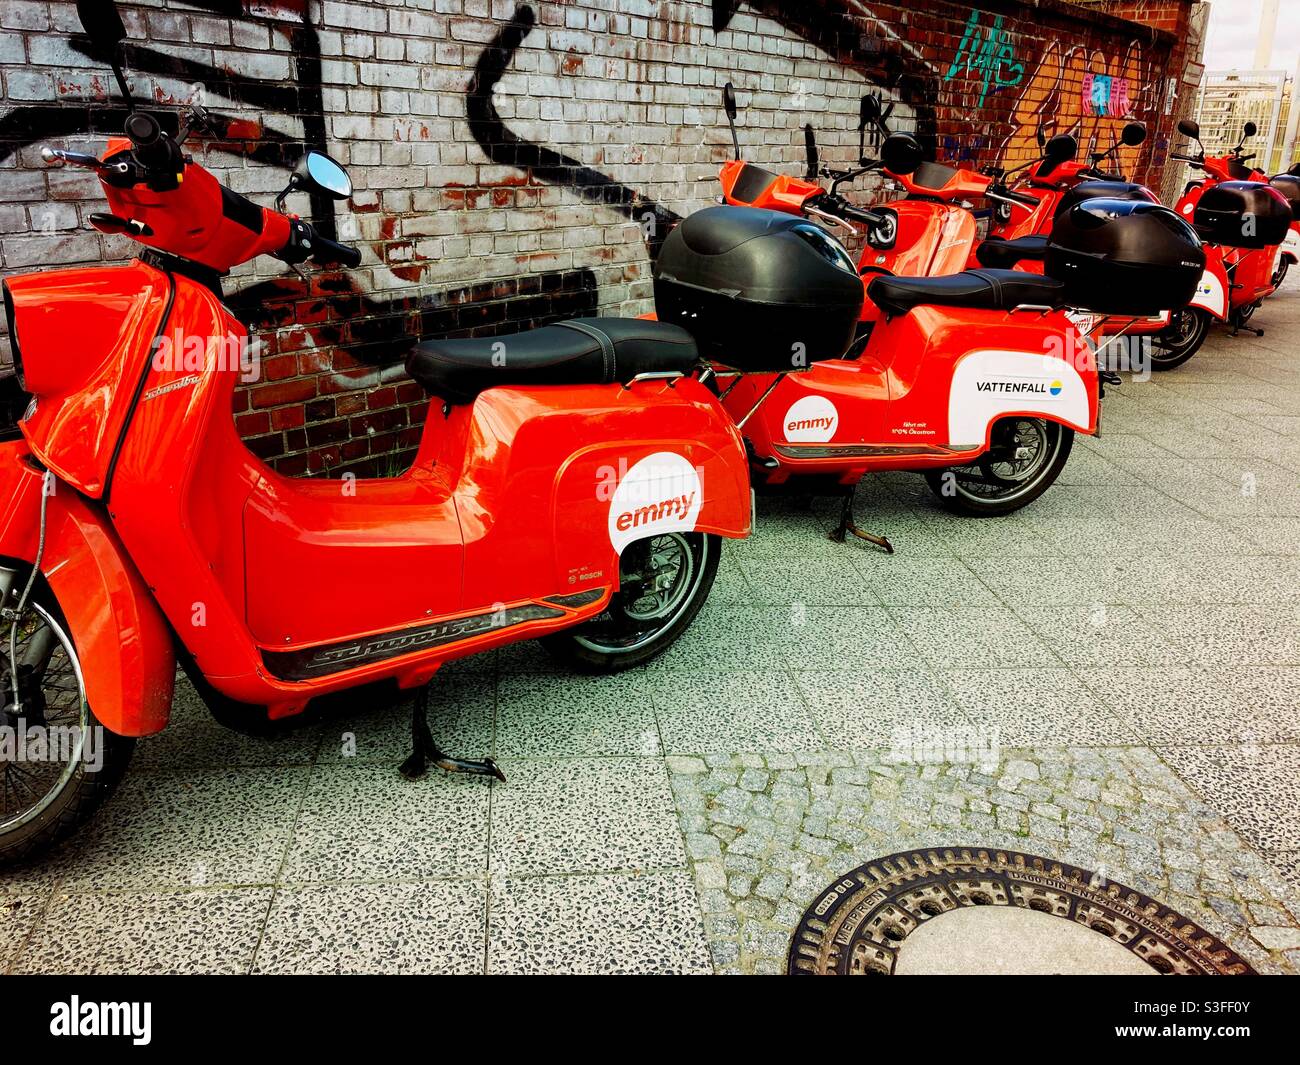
(992,911)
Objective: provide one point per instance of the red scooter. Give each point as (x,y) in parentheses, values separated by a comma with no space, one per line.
(1058,181)
(1019,238)
(572,484)
(1240,259)
(978,380)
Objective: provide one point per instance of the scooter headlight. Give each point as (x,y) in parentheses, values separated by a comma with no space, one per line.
(883,236)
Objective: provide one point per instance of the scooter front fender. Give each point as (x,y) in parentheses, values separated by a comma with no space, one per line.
(128,661)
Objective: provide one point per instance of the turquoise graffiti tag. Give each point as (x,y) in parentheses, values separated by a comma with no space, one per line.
(989,55)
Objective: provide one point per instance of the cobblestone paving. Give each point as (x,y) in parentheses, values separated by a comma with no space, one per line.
(1116,669)
(767,834)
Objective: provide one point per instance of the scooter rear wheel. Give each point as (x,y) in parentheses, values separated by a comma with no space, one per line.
(44,800)
(663,582)
(1186,333)
(1003,479)
(1279,275)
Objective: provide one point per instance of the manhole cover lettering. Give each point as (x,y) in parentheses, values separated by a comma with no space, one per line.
(858,925)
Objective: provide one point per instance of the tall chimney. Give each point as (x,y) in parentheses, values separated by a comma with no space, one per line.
(1267,29)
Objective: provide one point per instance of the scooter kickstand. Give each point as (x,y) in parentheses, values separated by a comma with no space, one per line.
(846,526)
(425,750)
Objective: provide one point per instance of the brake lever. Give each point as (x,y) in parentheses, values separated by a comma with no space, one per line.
(832,219)
(1007,199)
(58,157)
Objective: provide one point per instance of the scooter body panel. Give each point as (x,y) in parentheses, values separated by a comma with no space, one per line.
(128,662)
(924,395)
(85,336)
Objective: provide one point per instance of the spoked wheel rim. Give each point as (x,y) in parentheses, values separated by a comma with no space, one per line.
(54,698)
(1185,329)
(1022,452)
(657,577)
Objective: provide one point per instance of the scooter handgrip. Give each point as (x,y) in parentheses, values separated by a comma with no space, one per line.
(328,252)
(154,150)
(861,214)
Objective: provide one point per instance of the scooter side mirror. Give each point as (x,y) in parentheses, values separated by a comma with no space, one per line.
(1189,128)
(1251,130)
(317,172)
(1060,149)
(103,25)
(810,149)
(729,105)
(901,153)
(1133,134)
(102,22)
(868,112)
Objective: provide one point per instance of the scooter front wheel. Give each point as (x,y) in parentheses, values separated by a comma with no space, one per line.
(57,762)
(1026,457)
(663,582)
(1186,333)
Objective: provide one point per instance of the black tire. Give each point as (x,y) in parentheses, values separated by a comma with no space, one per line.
(79,790)
(1183,339)
(1279,275)
(624,635)
(998,492)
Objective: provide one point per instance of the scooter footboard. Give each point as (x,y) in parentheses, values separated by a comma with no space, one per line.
(125,647)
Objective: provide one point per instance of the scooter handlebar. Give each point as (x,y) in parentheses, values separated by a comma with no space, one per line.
(305,243)
(1001,192)
(861,214)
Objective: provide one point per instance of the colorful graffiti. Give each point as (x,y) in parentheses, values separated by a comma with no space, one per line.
(987,54)
(1081,91)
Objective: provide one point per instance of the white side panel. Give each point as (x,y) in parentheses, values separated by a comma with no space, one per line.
(988,384)
(1211,294)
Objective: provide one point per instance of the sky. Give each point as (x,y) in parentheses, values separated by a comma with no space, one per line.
(1234,29)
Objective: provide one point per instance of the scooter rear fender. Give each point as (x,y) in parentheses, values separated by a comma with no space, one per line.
(127,656)
(1212,291)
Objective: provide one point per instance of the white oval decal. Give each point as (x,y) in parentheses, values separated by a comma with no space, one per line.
(812,419)
(661,493)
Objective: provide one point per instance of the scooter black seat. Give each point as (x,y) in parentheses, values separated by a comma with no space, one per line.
(581,351)
(986,290)
(1002,254)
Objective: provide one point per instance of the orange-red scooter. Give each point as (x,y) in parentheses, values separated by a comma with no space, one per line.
(1243,221)
(977,380)
(572,483)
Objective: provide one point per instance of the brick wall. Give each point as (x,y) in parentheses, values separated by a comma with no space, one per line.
(515,162)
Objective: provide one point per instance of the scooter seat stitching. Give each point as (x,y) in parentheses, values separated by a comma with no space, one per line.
(607,352)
